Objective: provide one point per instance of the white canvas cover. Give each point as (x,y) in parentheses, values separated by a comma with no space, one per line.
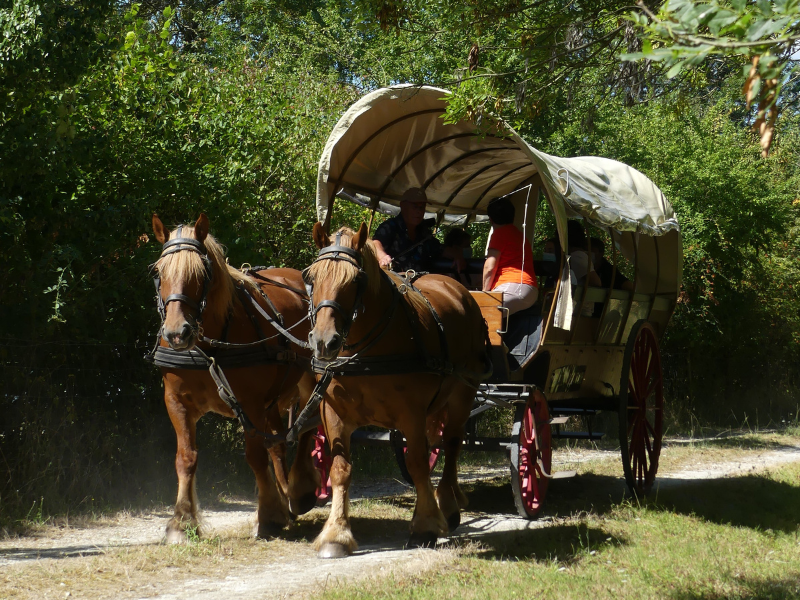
(394,138)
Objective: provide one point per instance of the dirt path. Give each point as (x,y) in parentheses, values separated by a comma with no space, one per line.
(303,573)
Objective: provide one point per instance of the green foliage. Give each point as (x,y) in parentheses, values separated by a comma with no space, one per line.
(684,34)
(110,111)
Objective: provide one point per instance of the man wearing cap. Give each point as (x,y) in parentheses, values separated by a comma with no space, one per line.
(406,241)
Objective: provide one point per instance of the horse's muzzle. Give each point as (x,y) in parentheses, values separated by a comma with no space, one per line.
(326,347)
(181,339)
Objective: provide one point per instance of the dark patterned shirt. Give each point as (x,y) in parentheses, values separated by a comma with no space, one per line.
(393,236)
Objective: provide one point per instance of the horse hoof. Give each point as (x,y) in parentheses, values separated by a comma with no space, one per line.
(175,536)
(425,539)
(268,530)
(332,550)
(303,505)
(453,521)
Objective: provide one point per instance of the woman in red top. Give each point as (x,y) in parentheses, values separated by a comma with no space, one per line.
(509,260)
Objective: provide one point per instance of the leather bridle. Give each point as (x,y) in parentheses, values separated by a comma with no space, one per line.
(181,244)
(337,252)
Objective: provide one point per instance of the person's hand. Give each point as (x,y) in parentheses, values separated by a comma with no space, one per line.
(385,261)
(460,264)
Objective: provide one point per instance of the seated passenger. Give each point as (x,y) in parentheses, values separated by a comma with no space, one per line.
(605,269)
(579,262)
(459,242)
(551,255)
(406,242)
(509,260)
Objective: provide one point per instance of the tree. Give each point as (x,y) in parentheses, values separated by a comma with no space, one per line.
(763,35)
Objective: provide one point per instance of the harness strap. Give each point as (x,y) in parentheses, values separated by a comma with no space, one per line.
(226,394)
(309,409)
(253,272)
(285,332)
(250,314)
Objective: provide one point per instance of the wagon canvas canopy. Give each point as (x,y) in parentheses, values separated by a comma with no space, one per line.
(395,138)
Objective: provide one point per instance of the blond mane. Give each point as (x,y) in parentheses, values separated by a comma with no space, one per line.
(340,273)
(187,266)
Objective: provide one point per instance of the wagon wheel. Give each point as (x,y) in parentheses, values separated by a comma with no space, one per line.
(321,455)
(641,410)
(398,442)
(531,455)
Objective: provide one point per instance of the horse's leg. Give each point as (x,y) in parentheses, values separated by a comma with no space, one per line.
(336,540)
(184,421)
(449,495)
(428,521)
(304,477)
(277,453)
(271,514)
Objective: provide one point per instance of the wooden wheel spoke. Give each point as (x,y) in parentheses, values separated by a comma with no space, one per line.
(641,406)
(655,383)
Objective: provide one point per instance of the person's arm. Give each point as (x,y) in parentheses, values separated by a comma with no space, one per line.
(489,268)
(384,260)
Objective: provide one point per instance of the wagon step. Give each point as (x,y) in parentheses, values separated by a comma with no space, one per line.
(572,411)
(559,420)
(578,435)
(563,474)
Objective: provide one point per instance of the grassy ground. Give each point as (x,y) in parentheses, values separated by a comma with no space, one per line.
(729,538)
(736,537)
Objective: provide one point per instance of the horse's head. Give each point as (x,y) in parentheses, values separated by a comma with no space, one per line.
(336,283)
(183,278)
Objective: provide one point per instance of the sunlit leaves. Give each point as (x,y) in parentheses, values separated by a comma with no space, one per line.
(763,33)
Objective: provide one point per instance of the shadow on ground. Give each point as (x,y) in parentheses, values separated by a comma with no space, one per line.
(749,501)
(738,442)
(788,587)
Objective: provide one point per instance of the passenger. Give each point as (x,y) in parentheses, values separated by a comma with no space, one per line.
(605,269)
(551,255)
(579,262)
(406,242)
(509,260)
(459,242)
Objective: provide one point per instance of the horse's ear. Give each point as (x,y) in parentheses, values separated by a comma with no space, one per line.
(321,238)
(201,228)
(360,238)
(162,235)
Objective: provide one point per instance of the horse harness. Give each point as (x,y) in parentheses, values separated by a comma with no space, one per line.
(356,365)
(224,353)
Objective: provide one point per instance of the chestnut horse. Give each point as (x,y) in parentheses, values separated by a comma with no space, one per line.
(417,359)
(204,299)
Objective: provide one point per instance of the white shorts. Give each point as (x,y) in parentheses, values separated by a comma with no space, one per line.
(517,296)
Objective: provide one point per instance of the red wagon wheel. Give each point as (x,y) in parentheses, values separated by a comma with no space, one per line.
(641,412)
(321,455)
(398,442)
(531,455)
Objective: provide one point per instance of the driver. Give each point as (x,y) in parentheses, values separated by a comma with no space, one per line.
(406,242)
